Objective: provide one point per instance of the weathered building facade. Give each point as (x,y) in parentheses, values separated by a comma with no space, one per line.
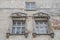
(29,20)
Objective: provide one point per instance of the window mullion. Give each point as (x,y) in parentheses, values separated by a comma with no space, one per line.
(16,24)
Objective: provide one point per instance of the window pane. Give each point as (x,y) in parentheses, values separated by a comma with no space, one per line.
(30,5)
(14,22)
(27,5)
(23,30)
(18,22)
(41,27)
(19,27)
(13,30)
(33,5)
(18,30)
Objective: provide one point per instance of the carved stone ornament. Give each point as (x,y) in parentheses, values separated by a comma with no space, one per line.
(19,14)
(41,14)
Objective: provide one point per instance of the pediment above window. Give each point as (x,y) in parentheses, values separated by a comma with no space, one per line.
(41,14)
(18,15)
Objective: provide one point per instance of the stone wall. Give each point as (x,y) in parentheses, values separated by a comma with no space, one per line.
(7,7)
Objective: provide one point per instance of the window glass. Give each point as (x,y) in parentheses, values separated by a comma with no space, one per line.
(13,30)
(18,27)
(30,6)
(41,27)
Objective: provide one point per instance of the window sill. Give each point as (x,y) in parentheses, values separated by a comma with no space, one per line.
(17,34)
(30,9)
(51,34)
(9,34)
(41,34)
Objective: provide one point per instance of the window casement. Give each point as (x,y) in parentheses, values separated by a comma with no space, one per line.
(18,24)
(42,25)
(30,6)
(18,27)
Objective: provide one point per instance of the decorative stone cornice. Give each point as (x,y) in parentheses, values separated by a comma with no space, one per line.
(19,14)
(41,14)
